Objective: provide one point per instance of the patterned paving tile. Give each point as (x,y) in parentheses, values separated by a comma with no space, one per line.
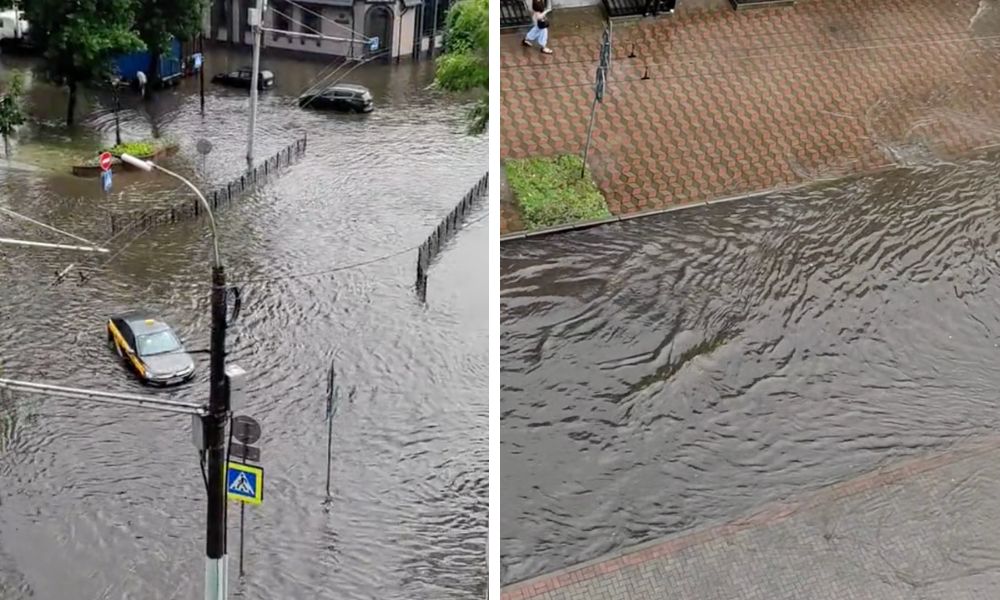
(714,103)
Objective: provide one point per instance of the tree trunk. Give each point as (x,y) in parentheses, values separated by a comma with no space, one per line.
(154,67)
(71,109)
(6,146)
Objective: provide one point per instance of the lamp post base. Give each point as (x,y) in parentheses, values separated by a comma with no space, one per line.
(217,578)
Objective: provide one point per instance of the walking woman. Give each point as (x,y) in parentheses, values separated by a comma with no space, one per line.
(540,30)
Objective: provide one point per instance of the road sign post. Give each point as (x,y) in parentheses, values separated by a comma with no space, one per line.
(332,402)
(599,84)
(106,181)
(246,431)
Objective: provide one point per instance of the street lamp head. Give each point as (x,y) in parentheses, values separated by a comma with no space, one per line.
(138,163)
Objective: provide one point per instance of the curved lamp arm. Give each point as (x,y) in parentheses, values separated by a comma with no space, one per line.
(146,165)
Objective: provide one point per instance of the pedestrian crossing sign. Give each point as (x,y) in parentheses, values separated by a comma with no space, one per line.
(245,483)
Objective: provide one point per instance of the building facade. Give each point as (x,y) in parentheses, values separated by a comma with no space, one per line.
(399,25)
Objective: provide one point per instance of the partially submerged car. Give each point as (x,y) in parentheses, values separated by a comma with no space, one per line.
(243,77)
(150,348)
(344,97)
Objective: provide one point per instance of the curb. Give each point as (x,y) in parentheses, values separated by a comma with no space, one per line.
(767,514)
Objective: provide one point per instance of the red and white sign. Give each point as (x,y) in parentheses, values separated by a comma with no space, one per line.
(105,161)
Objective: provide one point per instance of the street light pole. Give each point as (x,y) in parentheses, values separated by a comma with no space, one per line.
(216,561)
(257,25)
(201,72)
(118,107)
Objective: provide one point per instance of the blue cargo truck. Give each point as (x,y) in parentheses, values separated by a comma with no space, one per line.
(171,66)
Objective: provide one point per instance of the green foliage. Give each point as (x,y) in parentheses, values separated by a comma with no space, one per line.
(11,114)
(551,192)
(138,149)
(468,26)
(157,21)
(461,71)
(465,62)
(80,37)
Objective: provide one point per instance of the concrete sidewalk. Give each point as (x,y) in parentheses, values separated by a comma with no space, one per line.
(928,528)
(711,103)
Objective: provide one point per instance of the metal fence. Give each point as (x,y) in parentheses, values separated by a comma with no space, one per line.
(636,8)
(222,196)
(514,13)
(445,230)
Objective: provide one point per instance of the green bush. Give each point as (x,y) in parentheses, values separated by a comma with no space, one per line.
(134,148)
(551,192)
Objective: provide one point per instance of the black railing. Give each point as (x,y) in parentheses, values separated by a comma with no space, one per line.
(192,209)
(741,4)
(637,8)
(446,230)
(514,13)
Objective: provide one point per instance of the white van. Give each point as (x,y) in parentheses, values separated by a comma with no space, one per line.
(9,27)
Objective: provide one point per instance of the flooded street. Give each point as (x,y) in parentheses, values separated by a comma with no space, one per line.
(680,370)
(101,502)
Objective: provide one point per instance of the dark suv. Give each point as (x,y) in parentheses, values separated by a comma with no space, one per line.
(344,97)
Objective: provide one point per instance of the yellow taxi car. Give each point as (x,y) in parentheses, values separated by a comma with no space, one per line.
(150,348)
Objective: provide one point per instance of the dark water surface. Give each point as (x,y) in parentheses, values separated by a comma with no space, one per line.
(103,502)
(673,371)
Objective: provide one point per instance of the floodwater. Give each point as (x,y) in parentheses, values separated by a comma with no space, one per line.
(674,371)
(106,502)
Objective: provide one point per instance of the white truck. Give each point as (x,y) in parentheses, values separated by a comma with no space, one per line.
(12,25)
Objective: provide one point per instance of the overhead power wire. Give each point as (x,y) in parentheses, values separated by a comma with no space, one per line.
(46,226)
(759,54)
(639,66)
(348,72)
(299,23)
(347,267)
(327,19)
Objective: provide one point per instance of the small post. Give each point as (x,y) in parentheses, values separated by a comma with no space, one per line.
(118,107)
(201,92)
(331,394)
(243,508)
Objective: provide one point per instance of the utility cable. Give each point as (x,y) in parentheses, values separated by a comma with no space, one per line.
(299,23)
(758,55)
(348,72)
(356,265)
(706,75)
(327,19)
(46,226)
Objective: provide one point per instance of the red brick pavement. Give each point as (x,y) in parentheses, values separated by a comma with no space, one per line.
(737,102)
(542,586)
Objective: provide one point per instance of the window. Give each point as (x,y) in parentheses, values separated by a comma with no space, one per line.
(160,342)
(281,11)
(311,22)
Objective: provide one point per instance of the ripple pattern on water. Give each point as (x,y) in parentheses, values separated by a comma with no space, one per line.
(666,372)
(114,502)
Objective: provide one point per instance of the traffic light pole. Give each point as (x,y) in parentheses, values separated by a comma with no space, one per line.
(216,563)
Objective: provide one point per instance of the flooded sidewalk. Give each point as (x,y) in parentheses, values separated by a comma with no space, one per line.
(925,526)
(711,102)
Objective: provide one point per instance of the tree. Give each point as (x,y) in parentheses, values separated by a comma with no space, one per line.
(465,62)
(80,38)
(158,21)
(10,109)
